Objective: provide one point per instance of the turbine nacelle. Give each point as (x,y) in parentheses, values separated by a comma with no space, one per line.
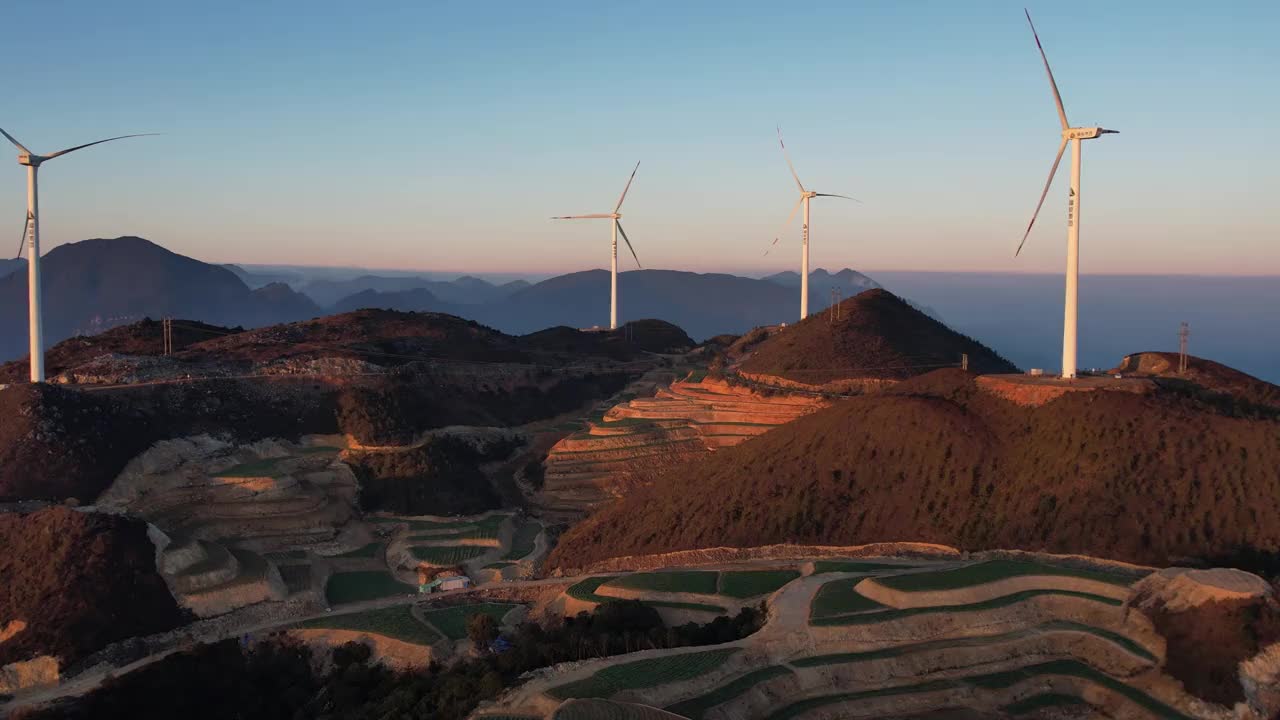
(1083,133)
(30,160)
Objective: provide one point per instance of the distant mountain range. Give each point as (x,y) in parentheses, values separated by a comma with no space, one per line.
(850,282)
(93,285)
(466,290)
(10,265)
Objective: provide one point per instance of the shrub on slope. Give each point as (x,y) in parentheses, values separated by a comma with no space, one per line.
(1147,479)
(57,443)
(79,581)
(878,335)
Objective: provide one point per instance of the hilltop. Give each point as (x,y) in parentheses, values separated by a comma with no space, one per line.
(1210,376)
(143,338)
(1154,479)
(656,336)
(877,335)
(78,581)
(383,377)
(378,337)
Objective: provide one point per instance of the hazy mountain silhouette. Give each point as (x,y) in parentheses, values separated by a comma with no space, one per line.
(823,280)
(704,304)
(414,300)
(466,290)
(10,265)
(259,279)
(93,285)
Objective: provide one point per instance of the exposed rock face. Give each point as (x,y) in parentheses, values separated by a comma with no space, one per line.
(1260,678)
(217,505)
(1212,620)
(78,581)
(36,672)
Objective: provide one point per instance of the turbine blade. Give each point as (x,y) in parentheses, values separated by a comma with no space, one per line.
(23,242)
(787,155)
(846,197)
(628,241)
(790,217)
(95,142)
(583,217)
(1052,171)
(1057,97)
(17,144)
(618,207)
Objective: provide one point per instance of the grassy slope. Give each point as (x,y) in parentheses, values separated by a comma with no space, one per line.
(1139,478)
(878,336)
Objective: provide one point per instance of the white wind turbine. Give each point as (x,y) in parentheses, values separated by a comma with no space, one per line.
(1075,135)
(805,197)
(616,217)
(32,232)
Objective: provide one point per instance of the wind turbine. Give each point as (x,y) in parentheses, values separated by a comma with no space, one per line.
(805,197)
(616,217)
(1074,135)
(32,232)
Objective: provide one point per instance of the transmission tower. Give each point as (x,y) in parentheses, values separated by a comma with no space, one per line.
(1184,332)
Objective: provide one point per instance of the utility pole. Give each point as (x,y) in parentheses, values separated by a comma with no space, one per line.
(167,331)
(964,361)
(1184,332)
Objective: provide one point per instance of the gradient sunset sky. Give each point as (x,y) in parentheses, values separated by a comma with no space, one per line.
(441,136)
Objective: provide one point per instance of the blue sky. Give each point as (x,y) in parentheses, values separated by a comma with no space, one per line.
(441,136)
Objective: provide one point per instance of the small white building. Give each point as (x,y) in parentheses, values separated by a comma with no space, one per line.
(455,582)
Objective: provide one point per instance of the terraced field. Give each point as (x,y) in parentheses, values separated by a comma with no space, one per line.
(1035,644)
(675,581)
(1123,642)
(452,621)
(643,435)
(754,583)
(642,674)
(396,622)
(993,570)
(586,590)
(991,681)
(446,554)
(695,708)
(839,598)
(860,566)
(885,615)
(360,585)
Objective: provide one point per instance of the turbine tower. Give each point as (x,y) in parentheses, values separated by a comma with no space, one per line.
(1074,135)
(616,217)
(805,197)
(32,232)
